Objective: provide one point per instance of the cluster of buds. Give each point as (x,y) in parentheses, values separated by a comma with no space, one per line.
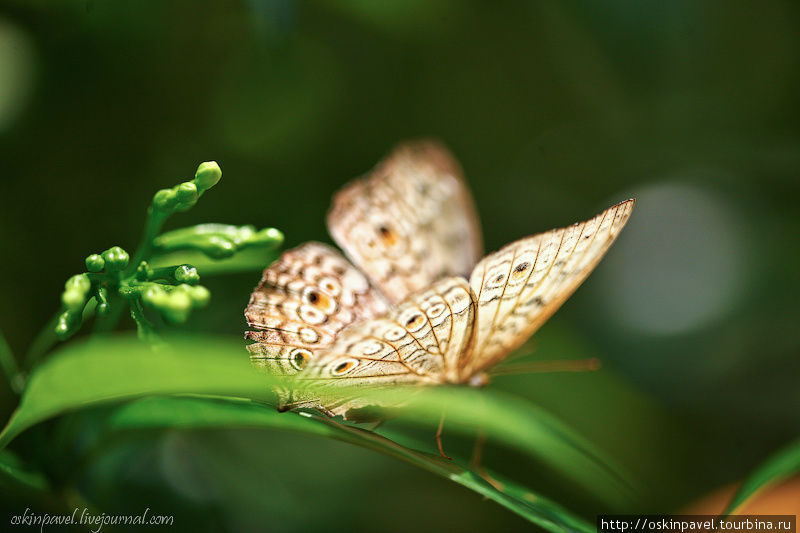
(184,195)
(174,303)
(172,292)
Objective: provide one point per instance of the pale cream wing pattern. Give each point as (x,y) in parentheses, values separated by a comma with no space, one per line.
(418,342)
(409,222)
(520,286)
(303,301)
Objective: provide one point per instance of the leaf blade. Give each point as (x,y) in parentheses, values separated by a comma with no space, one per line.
(779,466)
(196,412)
(121,368)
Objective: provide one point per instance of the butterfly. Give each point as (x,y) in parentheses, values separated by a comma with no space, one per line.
(416,303)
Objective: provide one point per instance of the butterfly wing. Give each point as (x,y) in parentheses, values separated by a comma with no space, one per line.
(303,301)
(520,286)
(409,222)
(418,342)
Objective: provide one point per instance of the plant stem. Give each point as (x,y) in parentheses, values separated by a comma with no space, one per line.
(155,220)
(108,322)
(43,341)
(47,338)
(144,328)
(16,378)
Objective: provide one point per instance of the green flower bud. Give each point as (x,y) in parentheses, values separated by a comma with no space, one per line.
(79,283)
(143,271)
(67,323)
(216,247)
(182,288)
(116,259)
(180,301)
(76,291)
(177,307)
(155,296)
(187,193)
(186,274)
(208,174)
(62,327)
(270,236)
(164,199)
(73,300)
(200,296)
(95,263)
(242,233)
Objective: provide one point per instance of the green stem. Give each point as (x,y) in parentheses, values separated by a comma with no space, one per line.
(44,340)
(16,378)
(144,328)
(47,338)
(155,220)
(109,321)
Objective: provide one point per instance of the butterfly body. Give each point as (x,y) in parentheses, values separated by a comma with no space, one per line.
(421,308)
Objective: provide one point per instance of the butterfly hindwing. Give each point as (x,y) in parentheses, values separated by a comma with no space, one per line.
(417,342)
(303,301)
(520,286)
(409,222)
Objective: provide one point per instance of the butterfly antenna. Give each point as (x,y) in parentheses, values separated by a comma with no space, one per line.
(439,438)
(538,367)
(530,347)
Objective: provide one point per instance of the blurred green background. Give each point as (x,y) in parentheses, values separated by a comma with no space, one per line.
(556,110)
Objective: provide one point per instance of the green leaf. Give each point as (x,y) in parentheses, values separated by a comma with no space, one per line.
(104,370)
(187,412)
(10,368)
(15,477)
(780,466)
(521,424)
(121,368)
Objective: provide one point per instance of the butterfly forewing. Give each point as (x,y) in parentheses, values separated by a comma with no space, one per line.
(301,304)
(417,342)
(410,222)
(520,286)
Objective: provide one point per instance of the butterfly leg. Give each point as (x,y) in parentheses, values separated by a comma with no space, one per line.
(477,457)
(439,438)
(376,425)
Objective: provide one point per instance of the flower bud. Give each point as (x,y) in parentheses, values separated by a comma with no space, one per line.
(177,307)
(76,291)
(219,247)
(79,283)
(164,199)
(95,263)
(186,274)
(187,193)
(155,296)
(208,174)
(200,296)
(67,323)
(73,300)
(270,236)
(143,271)
(116,259)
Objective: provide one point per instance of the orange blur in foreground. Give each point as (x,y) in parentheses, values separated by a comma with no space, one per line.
(783,498)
